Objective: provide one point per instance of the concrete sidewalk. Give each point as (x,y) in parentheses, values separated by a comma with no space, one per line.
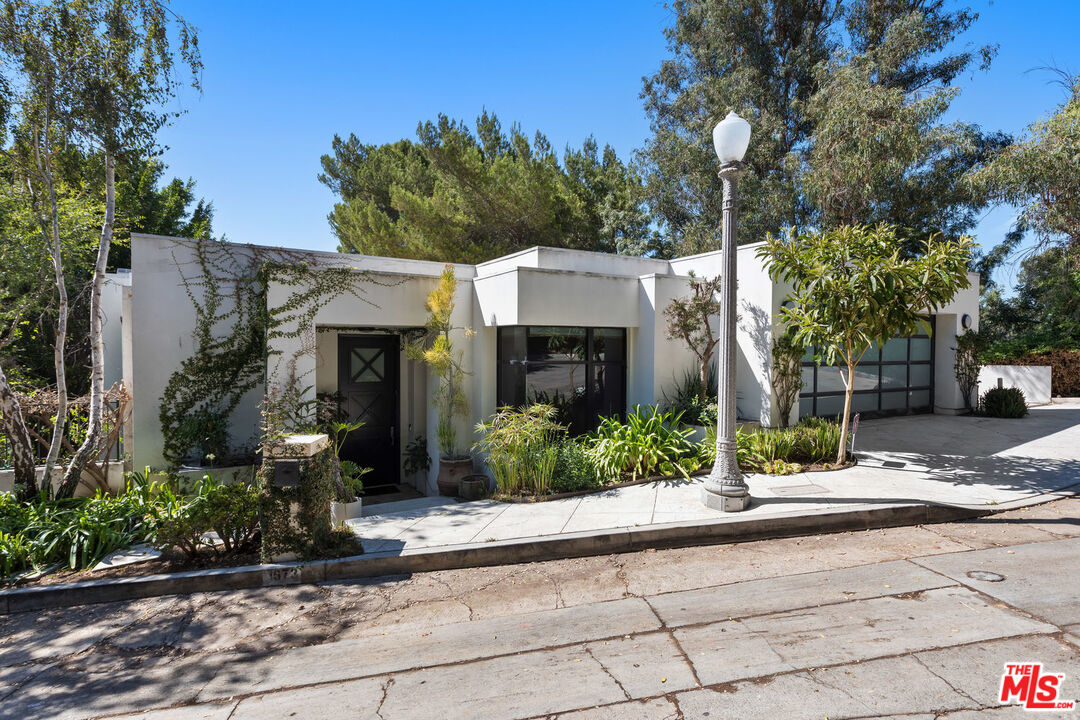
(966,462)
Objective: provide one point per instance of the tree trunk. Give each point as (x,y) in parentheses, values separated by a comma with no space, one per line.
(97,345)
(849,387)
(60,424)
(704,373)
(18,436)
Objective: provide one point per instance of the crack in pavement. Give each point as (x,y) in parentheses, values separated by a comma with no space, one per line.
(589,652)
(675,640)
(385,691)
(958,691)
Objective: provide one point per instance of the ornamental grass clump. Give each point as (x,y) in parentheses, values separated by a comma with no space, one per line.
(522,448)
(782,451)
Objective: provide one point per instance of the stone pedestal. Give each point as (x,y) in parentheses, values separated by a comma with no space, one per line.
(296,494)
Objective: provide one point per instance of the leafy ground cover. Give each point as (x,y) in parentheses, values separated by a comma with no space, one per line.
(531,456)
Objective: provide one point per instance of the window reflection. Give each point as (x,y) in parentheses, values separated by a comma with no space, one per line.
(580,371)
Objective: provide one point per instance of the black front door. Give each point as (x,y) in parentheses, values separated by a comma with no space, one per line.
(368,368)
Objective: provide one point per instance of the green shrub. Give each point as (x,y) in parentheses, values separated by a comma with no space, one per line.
(782,451)
(231,511)
(1004,403)
(76,532)
(574,470)
(686,398)
(649,442)
(15,552)
(522,448)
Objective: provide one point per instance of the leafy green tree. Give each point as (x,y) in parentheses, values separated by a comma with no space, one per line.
(1041,176)
(845,100)
(120,84)
(879,151)
(457,195)
(853,287)
(1044,312)
(753,56)
(146,202)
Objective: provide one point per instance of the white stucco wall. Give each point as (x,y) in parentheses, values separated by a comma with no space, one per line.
(948,399)
(161,336)
(540,286)
(1034,380)
(112,304)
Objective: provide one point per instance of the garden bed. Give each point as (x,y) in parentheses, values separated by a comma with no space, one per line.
(814,468)
(594,491)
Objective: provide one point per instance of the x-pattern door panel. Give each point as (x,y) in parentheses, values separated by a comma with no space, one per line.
(368,371)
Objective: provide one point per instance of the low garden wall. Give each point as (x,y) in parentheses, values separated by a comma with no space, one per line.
(1034,380)
(114,475)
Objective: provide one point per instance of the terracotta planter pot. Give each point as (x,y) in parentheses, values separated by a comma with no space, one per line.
(339,512)
(451,472)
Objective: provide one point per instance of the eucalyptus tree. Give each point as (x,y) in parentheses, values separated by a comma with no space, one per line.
(1041,175)
(854,286)
(753,56)
(846,98)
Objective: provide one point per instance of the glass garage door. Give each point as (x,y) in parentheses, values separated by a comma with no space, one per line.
(895,379)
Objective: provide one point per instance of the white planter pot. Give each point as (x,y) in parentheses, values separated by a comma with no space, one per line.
(700,432)
(340,512)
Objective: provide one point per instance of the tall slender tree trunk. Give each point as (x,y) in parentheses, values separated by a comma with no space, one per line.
(703,372)
(18,436)
(849,387)
(97,344)
(60,423)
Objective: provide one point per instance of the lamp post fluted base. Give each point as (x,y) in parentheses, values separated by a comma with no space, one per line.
(727,493)
(729,499)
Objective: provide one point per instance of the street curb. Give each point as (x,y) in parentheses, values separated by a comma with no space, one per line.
(518,550)
(507,552)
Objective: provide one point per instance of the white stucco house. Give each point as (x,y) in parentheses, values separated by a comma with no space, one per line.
(585,328)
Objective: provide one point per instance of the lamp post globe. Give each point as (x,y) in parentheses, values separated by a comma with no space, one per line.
(731,138)
(725,488)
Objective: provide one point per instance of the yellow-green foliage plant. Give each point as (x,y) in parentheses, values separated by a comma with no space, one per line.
(437,351)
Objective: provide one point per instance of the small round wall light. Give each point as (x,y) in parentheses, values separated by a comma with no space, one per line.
(966,321)
(788,304)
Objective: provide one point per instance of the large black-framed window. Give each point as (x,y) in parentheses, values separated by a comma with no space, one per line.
(581,371)
(895,379)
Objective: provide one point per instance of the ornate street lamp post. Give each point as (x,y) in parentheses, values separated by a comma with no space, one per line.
(725,489)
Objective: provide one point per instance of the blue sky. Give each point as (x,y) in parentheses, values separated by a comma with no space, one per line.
(281,78)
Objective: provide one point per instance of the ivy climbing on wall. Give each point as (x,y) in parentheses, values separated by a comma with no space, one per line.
(227,286)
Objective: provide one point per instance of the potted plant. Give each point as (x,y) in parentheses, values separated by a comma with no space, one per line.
(417,460)
(436,350)
(348,483)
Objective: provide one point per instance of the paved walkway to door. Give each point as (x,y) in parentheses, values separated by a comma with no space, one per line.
(930,459)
